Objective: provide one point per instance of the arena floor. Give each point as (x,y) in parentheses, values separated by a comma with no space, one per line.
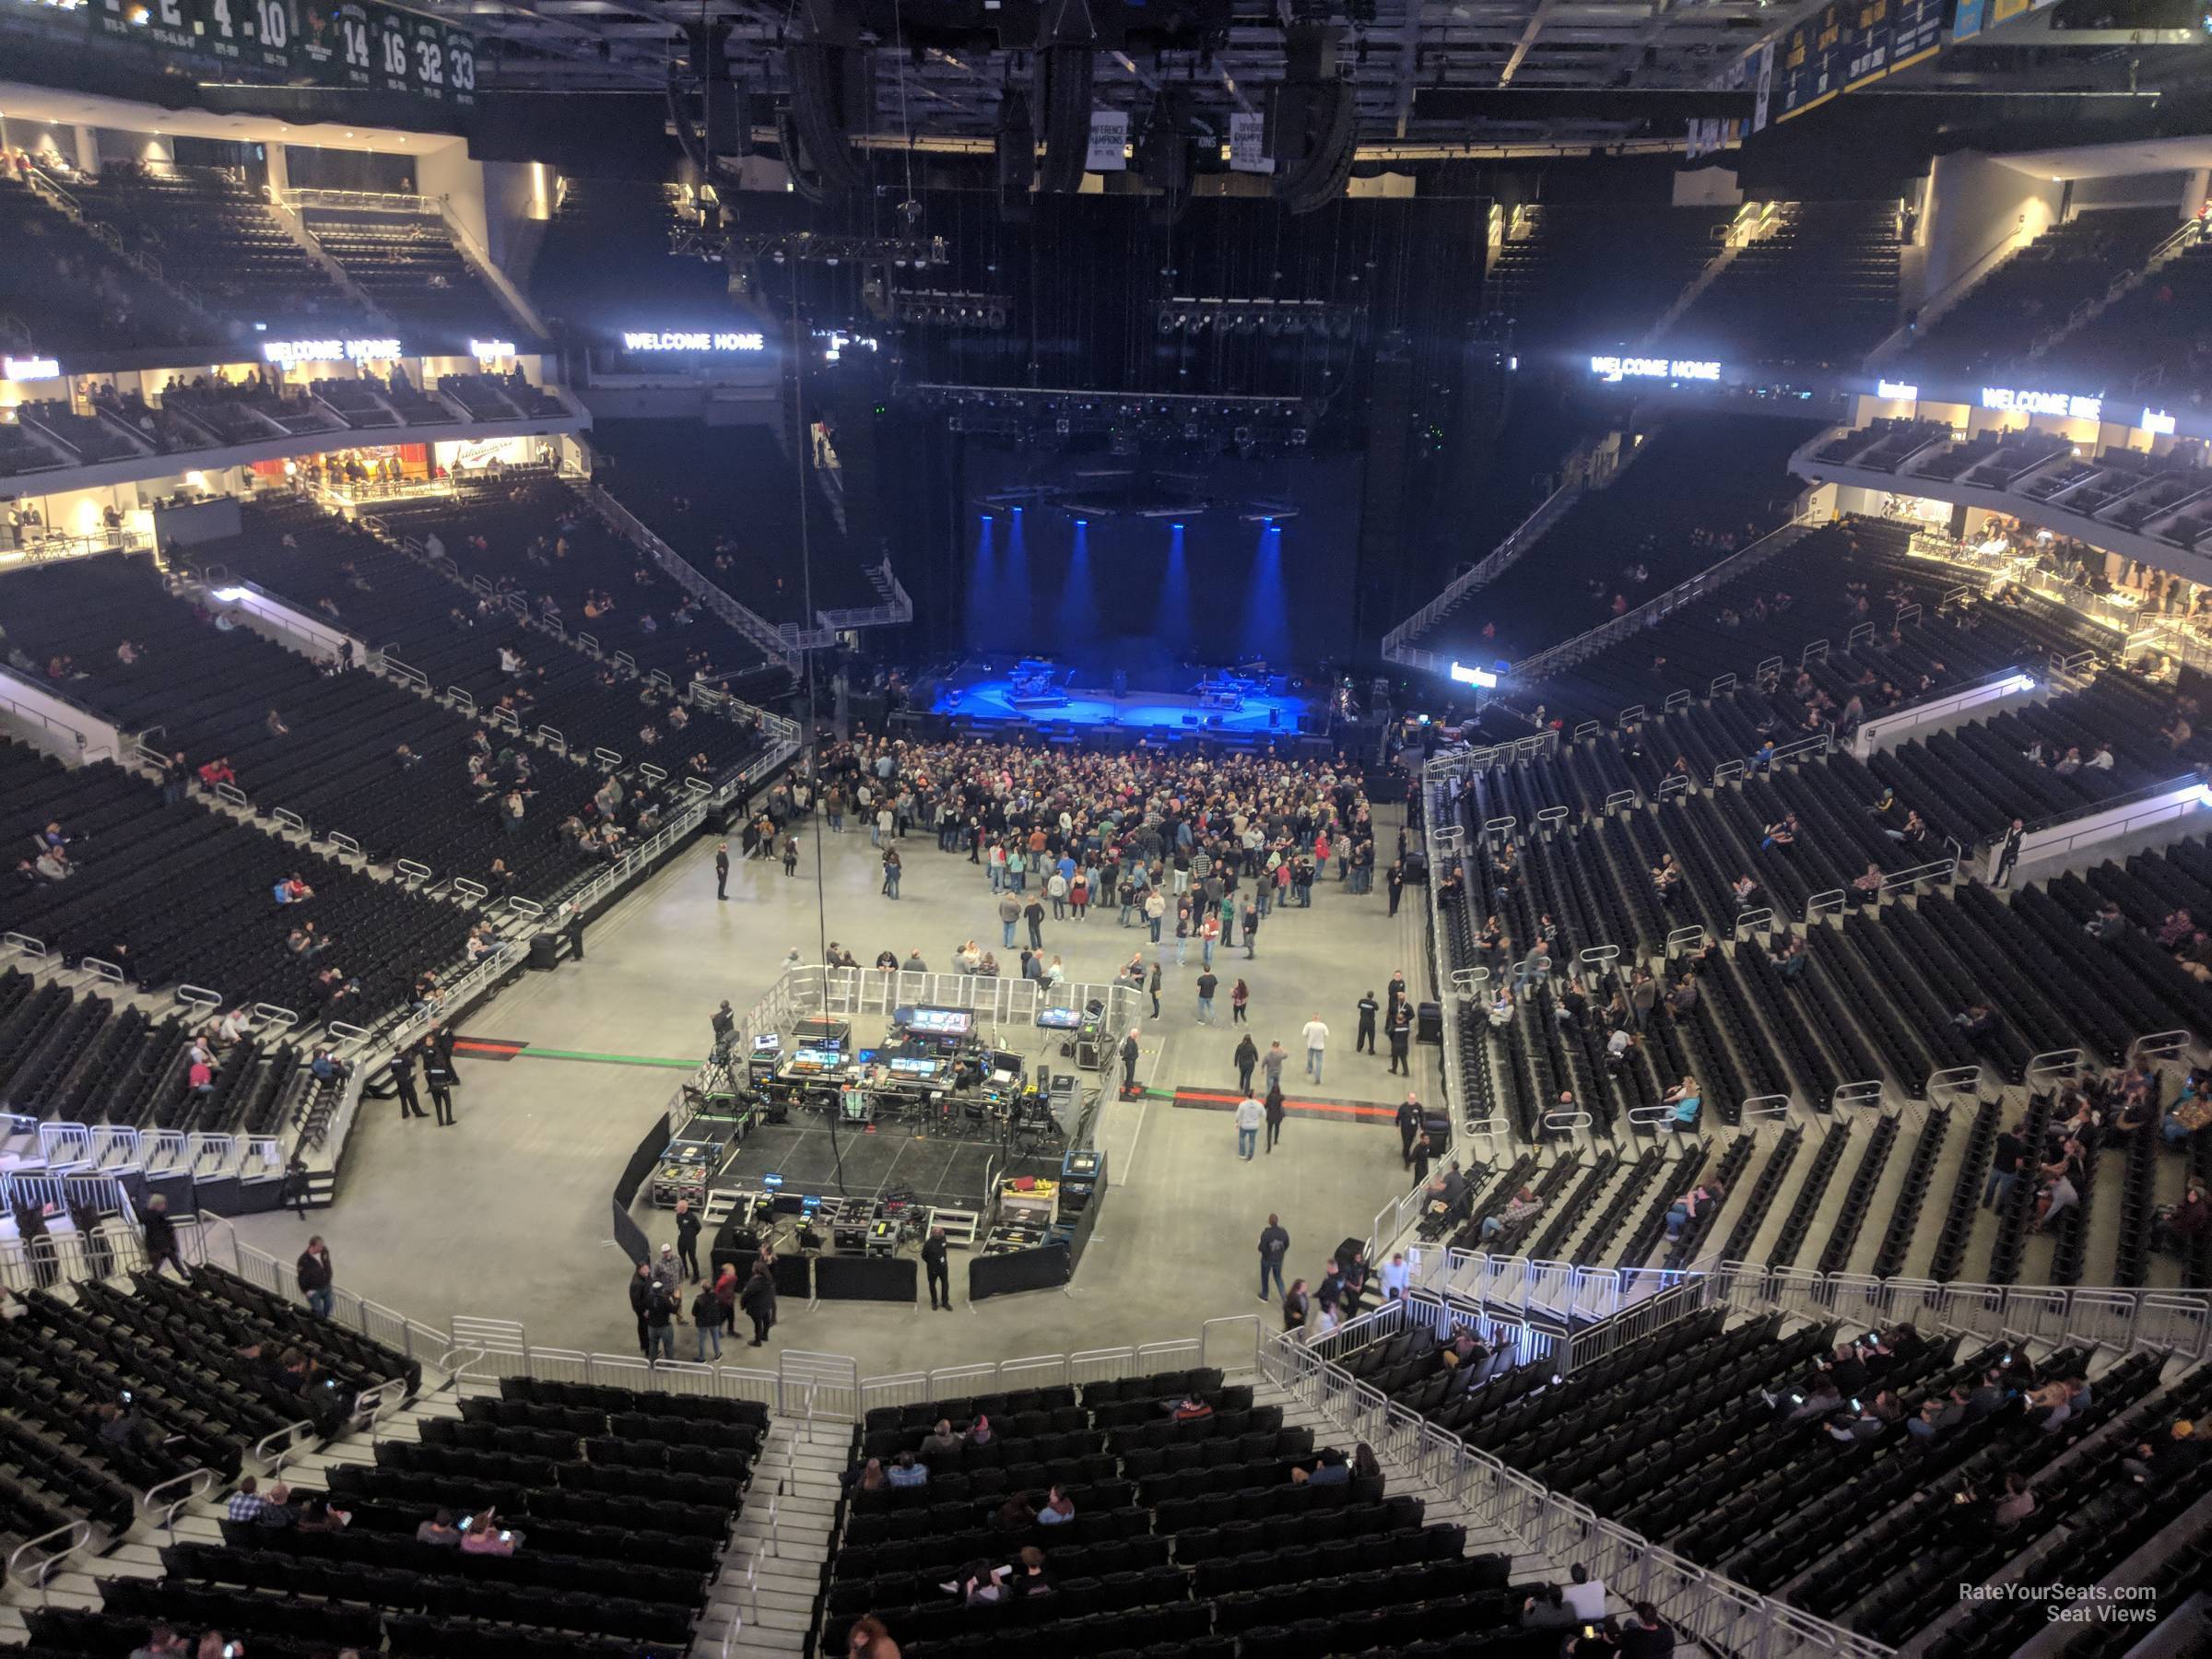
(504,1215)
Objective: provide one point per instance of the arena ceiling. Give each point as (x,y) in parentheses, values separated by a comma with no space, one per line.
(1484,72)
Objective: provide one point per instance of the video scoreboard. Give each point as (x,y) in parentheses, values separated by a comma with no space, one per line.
(374,47)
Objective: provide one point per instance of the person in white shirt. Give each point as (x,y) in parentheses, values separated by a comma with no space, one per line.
(1586,1596)
(1249,1114)
(1395,1277)
(1317,1039)
(2102,759)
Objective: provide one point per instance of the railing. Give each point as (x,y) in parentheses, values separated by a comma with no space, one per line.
(159,1508)
(1397,643)
(1583,645)
(897,608)
(78,1533)
(749,623)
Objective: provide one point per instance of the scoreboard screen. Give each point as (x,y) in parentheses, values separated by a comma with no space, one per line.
(327,42)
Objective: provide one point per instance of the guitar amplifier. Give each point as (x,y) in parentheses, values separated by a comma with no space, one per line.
(1429,1023)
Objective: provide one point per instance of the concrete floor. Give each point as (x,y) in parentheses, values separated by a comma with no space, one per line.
(505,1215)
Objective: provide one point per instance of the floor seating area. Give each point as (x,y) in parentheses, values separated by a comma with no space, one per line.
(1594,277)
(212,231)
(1582,571)
(1820,288)
(410,266)
(71,293)
(2031,292)
(728,499)
(1190,1533)
(214,923)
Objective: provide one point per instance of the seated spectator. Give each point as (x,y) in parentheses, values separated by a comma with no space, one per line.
(1191,1408)
(482,1535)
(871,1478)
(1029,1577)
(981,1585)
(1329,1469)
(440,1530)
(2015,1504)
(1017,1513)
(869,1639)
(279,1511)
(1058,1507)
(1547,1610)
(1525,1204)
(2164,1460)
(1688,1101)
(980,1432)
(906,1472)
(941,1442)
(1684,1209)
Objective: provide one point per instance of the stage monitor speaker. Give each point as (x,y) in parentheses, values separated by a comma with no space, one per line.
(1428,1023)
(544,951)
(1189,720)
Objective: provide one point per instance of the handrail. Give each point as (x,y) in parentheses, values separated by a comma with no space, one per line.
(203,1482)
(1570,652)
(78,1533)
(688,576)
(1515,542)
(274,1456)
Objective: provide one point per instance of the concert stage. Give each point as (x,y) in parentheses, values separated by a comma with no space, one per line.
(992,694)
(947,1171)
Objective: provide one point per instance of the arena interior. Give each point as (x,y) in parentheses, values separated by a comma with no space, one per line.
(1113,762)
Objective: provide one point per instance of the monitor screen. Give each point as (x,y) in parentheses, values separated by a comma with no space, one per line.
(764,1044)
(941,1022)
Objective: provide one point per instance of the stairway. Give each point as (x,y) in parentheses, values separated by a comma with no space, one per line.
(762,1603)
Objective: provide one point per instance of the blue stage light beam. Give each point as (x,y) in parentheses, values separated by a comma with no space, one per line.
(982,580)
(1266,627)
(1174,620)
(1010,602)
(1079,613)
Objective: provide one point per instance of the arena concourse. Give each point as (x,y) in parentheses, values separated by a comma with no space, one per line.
(1149,831)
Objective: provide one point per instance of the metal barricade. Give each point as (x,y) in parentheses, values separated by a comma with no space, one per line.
(1631,715)
(1722,685)
(2162,1045)
(1620,798)
(199,996)
(2048,1070)
(1676,702)
(1588,728)
(1670,787)
(1765,1106)
(1866,1092)
(414,870)
(459,696)
(1752,921)
(1815,652)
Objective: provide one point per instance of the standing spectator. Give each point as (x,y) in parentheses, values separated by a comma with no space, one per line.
(758,1300)
(1275,1112)
(1317,1041)
(1248,1059)
(1250,1115)
(933,1249)
(161,1238)
(706,1316)
(660,1321)
(1275,1245)
(314,1272)
(687,1238)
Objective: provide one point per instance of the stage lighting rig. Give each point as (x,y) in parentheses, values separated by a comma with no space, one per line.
(949,308)
(1273,317)
(781,247)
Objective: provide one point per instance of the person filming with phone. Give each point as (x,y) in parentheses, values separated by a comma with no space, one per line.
(481,1533)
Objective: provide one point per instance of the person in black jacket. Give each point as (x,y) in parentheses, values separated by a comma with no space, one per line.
(758,1300)
(402,1082)
(1364,1044)
(161,1238)
(687,1238)
(706,1313)
(640,1291)
(934,1263)
(315,1274)
(437,1072)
